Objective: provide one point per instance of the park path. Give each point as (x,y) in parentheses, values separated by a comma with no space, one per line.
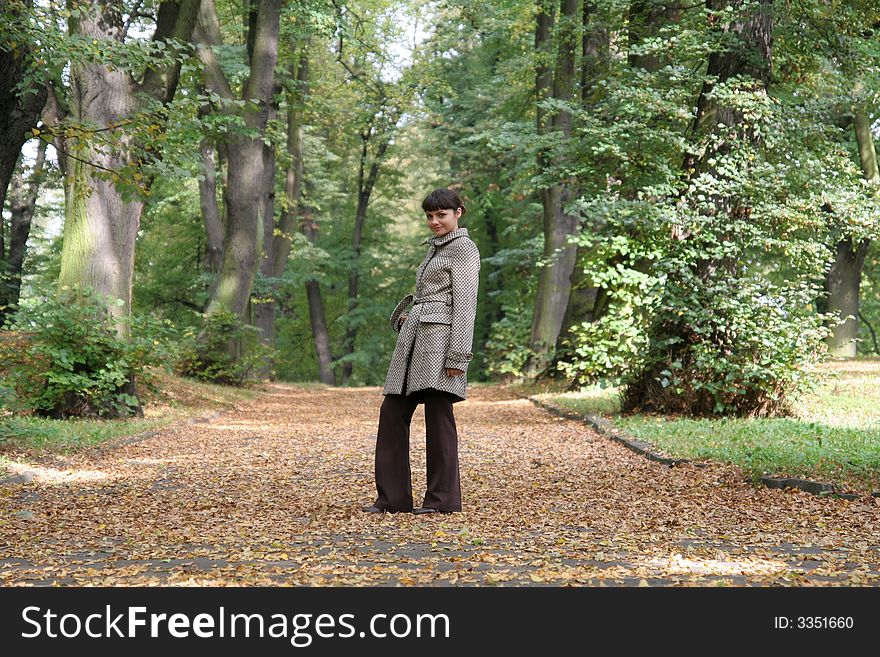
(270,493)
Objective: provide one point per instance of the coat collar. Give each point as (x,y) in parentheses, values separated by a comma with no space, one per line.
(451,235)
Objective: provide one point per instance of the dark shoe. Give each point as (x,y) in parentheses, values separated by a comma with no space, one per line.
(372,509)
(427,509)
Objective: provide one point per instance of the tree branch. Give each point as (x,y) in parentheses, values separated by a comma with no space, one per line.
(135,13)
(871,329)
(207,35)
(175,20)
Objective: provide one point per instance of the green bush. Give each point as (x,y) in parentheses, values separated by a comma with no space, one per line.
(226,351)
(739,348)
(63,358)
(507,347)
(617,248)
(604,350)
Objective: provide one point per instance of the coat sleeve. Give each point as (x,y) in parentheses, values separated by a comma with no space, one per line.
(465,272)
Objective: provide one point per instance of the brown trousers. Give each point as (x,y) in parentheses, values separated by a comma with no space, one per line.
(393,477)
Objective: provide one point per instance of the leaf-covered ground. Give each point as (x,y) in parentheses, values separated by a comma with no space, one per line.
(270,494)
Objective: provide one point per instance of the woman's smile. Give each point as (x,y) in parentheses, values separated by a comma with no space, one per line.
(442,221)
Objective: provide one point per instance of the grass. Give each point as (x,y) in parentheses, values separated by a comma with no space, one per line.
(41,434)
(834,434)
(174,399)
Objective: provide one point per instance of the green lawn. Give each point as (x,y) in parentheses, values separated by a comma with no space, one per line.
(23,437)
(834,435)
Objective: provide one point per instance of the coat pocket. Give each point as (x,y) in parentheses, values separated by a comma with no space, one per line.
(433,336)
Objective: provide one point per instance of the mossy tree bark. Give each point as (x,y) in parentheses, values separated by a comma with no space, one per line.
(844,278)
(101,221)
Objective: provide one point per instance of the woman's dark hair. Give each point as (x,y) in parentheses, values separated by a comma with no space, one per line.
(443,199)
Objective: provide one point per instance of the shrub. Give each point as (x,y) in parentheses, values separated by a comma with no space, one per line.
(507,347)
(226,351)
(65,359)
(617,247)
(604,350)
(739,347)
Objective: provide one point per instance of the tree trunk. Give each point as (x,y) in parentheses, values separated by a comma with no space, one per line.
(351,330)
(19,112)
(586,301)
(844,278)
(294,208)
(277,238)
(752,60)
(554,280)
(842,284)
(316,310)
(245,189)
(244,211)
(264,306)
(22,203)
(210,209)
(595,50)
(543,70)
(100,225)
(646,18)
(365,191)
(293,182)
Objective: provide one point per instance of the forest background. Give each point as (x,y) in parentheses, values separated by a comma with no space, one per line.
(677,197)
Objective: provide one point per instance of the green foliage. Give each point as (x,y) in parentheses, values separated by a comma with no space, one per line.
(226,351)
(170,278)
(63,358)
(619,246)
(681,262)
(69,435)
(507,346)
(733,330)
(608,348)
(739,349)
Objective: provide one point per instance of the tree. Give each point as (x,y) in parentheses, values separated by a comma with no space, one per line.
(844,276)
(103,153)
(249,179)
(22,203)
(277,238)
(554,279)
(22,94)
(677,375)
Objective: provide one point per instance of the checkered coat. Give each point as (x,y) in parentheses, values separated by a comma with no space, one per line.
(439,329)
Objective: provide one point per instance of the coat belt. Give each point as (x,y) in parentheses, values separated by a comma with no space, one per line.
(446,298)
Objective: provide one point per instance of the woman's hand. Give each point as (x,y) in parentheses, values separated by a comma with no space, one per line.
(450,371)
(402,320)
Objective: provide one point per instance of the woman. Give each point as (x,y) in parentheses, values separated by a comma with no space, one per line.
(429,364)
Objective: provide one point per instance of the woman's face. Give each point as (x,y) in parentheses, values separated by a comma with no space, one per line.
(442,221)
